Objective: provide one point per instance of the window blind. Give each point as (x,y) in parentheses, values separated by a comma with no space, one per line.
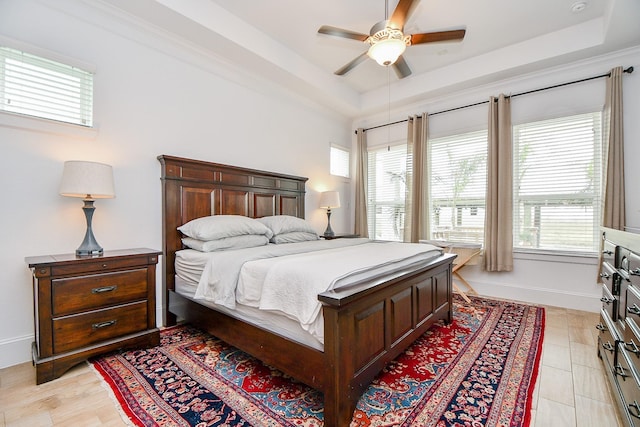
(557,181)
(339,161)
(458,176)
(43,88)
(386,192)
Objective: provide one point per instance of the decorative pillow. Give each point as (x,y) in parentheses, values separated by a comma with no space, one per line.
(235,242)
(220,226)
(294,237)
(280,224)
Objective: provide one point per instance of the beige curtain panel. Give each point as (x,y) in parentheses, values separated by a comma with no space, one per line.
(498,225)
(361,226)
(416,222)
(613,215)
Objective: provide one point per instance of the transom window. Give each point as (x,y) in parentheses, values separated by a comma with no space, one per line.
(40,87)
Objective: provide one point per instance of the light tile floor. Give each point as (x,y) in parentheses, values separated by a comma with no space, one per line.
(571,389)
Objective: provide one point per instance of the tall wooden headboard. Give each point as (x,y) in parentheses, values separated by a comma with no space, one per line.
(193,189)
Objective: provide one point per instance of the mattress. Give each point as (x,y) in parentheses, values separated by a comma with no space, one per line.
(272,322)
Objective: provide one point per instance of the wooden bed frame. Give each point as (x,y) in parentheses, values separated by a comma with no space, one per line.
(366,325)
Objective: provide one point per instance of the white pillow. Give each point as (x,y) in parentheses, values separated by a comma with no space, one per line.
(220,226)
(235,242)
(294,237)
(280,224)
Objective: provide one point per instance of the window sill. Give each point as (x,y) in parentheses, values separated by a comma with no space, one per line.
(53,127)
(556,256)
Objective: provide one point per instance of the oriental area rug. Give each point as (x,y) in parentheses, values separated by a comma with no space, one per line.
(478,371)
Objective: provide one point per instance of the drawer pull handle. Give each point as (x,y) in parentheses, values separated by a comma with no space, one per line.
(601,327)
(608,346)
(605,275)
(103,324)
(636,409)
(105,265)
(609,301)
(607,253)
(635,272)
(634,310)
(104,289)
(632,347)
(619,370)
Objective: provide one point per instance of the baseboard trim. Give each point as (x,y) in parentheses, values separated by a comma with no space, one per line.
(15,350)
(556,298)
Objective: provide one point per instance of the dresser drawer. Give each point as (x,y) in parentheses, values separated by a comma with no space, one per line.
(627,381)
(609,304)
(607,338)
(608,252)
(71,332)
(632,304)
(610,278)
(81,293)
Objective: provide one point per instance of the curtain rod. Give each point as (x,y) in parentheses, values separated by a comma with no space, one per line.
(628,70)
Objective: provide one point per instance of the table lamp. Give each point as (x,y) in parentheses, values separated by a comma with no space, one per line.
(329,200)
(89,180)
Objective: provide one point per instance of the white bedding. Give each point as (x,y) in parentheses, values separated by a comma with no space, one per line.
(290,285)
(217,272)
(287,278)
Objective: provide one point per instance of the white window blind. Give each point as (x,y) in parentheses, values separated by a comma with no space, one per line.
(386,188)
(43,88)
(339,161)
(557,183)
(458,171)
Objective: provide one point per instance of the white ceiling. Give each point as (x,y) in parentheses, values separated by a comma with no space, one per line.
(278,40)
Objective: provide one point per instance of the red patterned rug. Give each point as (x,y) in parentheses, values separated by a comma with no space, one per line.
(478,371)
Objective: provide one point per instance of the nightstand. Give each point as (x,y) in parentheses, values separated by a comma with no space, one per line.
(341,236)
(85,306)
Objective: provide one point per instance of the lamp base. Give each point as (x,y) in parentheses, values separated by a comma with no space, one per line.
(329,232)
(89,246)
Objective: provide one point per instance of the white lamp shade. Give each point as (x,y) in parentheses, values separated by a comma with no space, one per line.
(330,200)
(88,180)
(386,52)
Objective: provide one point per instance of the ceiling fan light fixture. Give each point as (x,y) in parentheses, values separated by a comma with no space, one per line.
(387,51)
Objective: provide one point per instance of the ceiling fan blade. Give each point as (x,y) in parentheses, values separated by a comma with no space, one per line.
(438,36)
(401,14)
(351,65)
(339,32)
(401,68)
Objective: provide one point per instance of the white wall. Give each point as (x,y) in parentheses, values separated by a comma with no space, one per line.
(566,281)
(151,97)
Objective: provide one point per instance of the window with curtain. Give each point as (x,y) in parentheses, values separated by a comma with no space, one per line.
(40,87)
(339,161)
(387,187)
(557,170)
(458,176)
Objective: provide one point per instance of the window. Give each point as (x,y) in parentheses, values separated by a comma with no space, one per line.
(557,169)
(339,161)
(386,187)
(458,176)
(39,87)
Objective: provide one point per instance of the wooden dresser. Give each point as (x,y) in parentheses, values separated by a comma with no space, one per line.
(85,306)
(619,327)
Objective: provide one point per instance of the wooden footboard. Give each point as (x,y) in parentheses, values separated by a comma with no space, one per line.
(366,324)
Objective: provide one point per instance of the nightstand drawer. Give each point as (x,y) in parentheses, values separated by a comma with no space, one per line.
(81,293)
(102,264)
(77,331)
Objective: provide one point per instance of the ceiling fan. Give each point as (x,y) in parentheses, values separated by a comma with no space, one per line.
(387,42)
